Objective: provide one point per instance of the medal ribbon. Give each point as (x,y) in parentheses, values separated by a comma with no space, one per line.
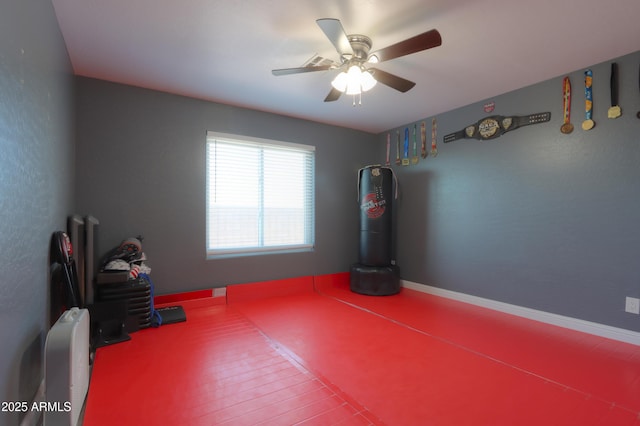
(638,114)
(415,140)
(566,105)
(434,138)
(398,147)
(405,152)
(614,111)
(406,143)
(414,159)
(388,161)
(588,94)
(423,138)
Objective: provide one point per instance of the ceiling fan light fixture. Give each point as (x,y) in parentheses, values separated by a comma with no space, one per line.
(354,81)
(340,82)
(367,81)
(354,78)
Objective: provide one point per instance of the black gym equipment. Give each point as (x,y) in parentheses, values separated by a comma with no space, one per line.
(376,273)
(65,292)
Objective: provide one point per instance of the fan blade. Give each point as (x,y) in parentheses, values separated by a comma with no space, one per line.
(287,71)
(393,81)
(332,28)
(333,95)
(411,45)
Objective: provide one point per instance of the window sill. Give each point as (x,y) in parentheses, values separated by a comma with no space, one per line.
(227,254)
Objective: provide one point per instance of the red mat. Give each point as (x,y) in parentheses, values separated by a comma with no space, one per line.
(602,368)
(419,359)
(309,351)
(214,369)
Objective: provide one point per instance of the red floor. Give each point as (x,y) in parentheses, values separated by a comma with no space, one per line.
(319,354)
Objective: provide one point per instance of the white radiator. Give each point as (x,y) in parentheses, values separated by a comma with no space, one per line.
(66,368)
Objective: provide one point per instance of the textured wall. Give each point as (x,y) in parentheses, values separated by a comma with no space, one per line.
(36,171)
(533,218)
(141,170)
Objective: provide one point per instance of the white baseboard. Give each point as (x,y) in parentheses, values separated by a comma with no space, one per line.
(597,329)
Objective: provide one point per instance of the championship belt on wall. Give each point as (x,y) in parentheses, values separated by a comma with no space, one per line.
(495,126)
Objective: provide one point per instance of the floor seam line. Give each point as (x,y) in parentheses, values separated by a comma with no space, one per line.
(299,363)
(478,353)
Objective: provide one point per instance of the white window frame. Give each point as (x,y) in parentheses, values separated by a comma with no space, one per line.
(309,201)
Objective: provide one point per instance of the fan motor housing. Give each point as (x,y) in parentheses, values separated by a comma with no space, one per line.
(361,45)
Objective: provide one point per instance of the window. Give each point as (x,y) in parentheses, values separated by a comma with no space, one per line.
(260,195)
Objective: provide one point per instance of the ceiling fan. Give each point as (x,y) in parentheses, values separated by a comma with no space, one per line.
(356,76)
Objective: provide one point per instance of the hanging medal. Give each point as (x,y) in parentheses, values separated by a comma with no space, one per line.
(588,122)
(398,147)
(434,137)
(414,159)
(388,161)
(638,114)
(566,127)
(405,156)
(405,147)
(614,110)
(423,139)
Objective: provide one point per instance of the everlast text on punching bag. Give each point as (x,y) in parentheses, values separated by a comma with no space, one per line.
(375,274)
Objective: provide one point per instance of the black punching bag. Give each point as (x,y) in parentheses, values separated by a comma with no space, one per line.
(375,193)
(374,274)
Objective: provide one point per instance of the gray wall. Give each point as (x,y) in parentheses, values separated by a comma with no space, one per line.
(533,218)
(141,170)
(36,173)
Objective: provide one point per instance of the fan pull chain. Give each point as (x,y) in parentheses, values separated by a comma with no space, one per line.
(359,99)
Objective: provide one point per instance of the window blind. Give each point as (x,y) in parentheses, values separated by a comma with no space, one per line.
(260,195)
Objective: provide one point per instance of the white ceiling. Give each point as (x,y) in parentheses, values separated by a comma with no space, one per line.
(224,50)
